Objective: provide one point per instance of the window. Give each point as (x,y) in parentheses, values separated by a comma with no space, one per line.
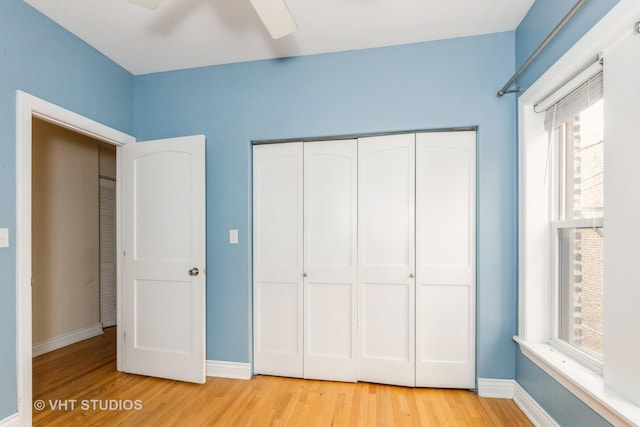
(578,232)
(565,190)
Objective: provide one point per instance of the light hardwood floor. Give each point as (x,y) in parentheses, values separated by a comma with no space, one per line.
(86,371)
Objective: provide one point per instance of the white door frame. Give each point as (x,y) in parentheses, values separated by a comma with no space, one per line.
(28,107)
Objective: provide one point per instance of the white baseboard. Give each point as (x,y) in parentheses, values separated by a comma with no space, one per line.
(236,370)
(510,389)
(67,339)
(10,421)
(499,389)
(538,416)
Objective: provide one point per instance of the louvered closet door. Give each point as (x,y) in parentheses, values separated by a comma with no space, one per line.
(386,208)
(330,263)
(445,259)
(108,267)
(277,258)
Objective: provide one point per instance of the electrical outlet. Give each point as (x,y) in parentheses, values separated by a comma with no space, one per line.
(233,237)
(4,237)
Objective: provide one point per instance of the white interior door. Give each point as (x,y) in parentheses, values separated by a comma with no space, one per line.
(386,243)
(164,261)
(277,259)
(330,259)
(445,259)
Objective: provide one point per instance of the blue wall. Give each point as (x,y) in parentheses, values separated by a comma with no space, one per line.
(441,84)
(543,16)
(565,408)
(39,57)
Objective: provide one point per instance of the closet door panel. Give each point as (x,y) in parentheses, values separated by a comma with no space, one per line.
(444,305)
(385,337)
(277,257)
(445,259)
(330,230)
(386,194)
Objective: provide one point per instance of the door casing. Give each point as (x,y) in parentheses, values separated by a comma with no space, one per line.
(27,107)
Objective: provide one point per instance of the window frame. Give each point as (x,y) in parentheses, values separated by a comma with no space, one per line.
(591,362)
(560,204)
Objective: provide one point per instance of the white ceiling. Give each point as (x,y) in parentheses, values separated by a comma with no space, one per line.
(191,33)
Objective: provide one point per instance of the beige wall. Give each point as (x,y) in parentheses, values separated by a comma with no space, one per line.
(65,232)
(107,160)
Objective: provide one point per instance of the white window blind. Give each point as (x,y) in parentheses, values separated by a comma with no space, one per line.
(579,99)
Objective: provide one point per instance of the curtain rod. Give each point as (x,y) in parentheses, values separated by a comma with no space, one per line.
(505,89)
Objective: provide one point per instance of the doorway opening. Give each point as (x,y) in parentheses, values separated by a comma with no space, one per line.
(28,108)
(73,237)
(73,251)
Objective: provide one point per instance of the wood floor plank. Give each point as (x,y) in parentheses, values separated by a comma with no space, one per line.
(86,373)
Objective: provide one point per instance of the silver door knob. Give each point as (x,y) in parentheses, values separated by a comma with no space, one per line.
(412,275)
(194,272)
(305,275)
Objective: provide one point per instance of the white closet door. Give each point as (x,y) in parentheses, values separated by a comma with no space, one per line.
(386,243)
(445,259)
(277,258)
(330,248)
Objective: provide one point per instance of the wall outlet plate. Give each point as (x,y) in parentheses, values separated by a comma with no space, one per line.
(4,237)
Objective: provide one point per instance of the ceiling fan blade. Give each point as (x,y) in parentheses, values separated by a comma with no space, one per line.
(276,17)
(149,4)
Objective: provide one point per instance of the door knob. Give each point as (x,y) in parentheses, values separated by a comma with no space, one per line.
(194,272)
(412,275)
(305,275)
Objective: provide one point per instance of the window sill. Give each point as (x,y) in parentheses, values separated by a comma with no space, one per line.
(586,384)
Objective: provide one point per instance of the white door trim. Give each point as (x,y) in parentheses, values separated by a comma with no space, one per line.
(27,107)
